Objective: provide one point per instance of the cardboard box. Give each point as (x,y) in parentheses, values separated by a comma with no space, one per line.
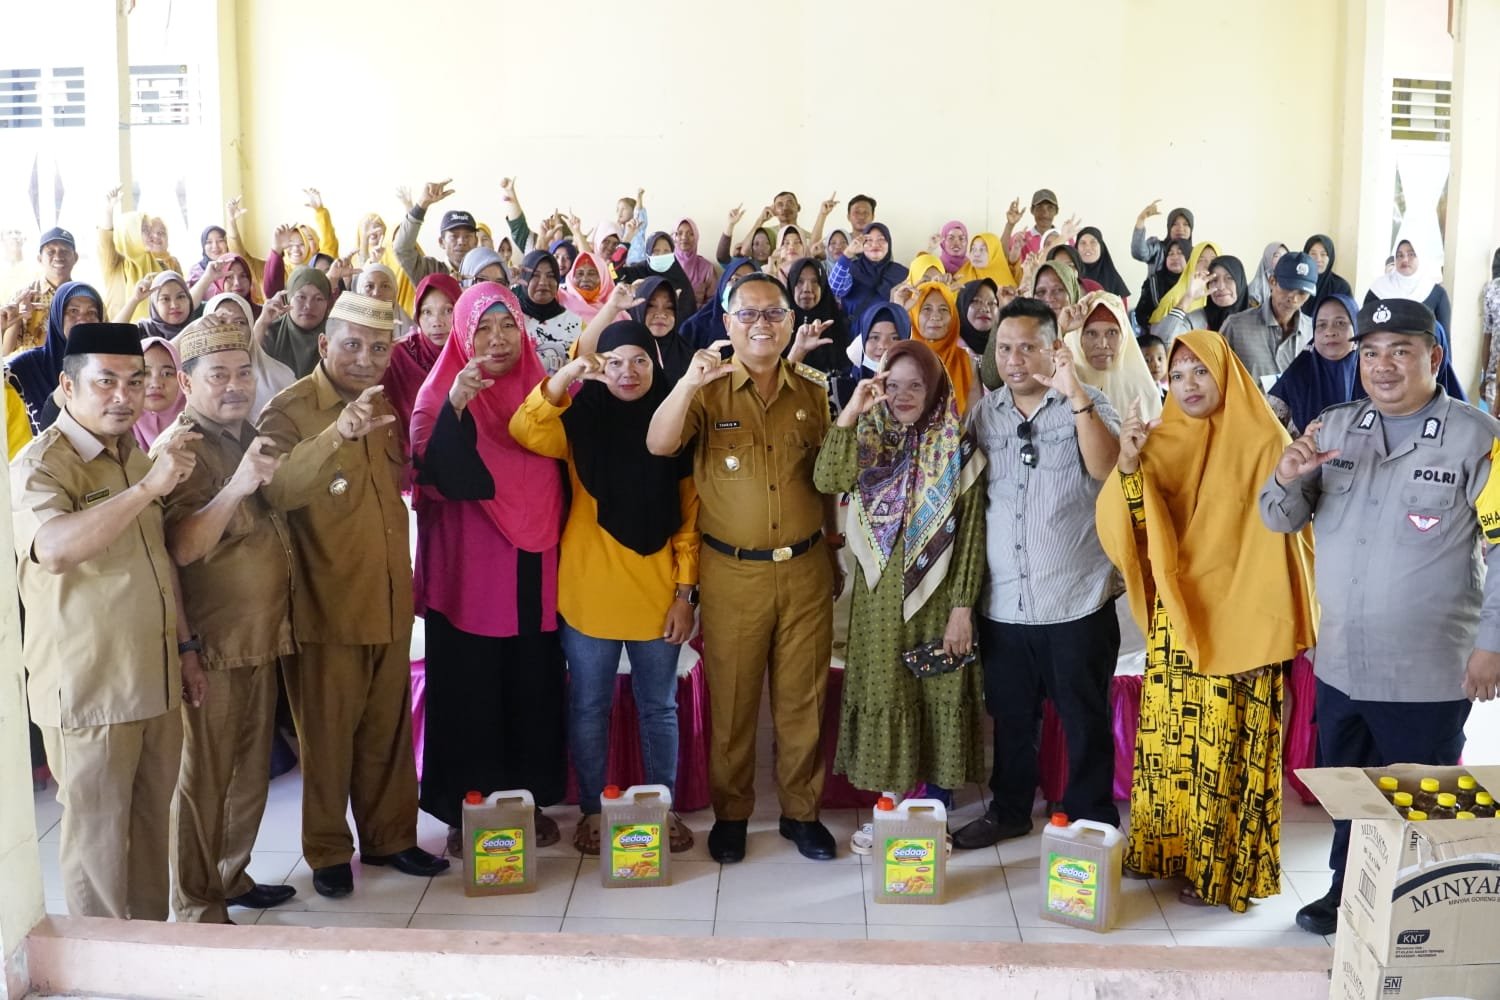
(1417,894)
(1359,975)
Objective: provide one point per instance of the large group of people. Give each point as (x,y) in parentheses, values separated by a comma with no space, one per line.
(611,442)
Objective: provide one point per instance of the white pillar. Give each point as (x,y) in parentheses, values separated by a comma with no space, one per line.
(1364,178)
(1472,203)
(21,902)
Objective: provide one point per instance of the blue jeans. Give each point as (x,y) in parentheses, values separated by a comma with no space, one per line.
(592,666)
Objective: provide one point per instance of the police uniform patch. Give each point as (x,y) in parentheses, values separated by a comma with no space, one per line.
(1443,477)
(1367,421)
(1423,522)
(811,374)
(1430,428)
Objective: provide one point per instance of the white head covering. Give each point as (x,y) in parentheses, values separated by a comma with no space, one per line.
(1127,378)
(1400,286)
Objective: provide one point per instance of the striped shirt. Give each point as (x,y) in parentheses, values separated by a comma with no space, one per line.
(1046,565)
(1262,344)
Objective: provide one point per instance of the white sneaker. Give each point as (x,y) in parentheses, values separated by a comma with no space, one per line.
(863,840)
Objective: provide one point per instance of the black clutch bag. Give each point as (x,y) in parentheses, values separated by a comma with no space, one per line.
(929,660)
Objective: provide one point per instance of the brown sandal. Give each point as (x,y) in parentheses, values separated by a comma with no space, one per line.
(680,836)
(586,835)
(547,832)
(1189,896)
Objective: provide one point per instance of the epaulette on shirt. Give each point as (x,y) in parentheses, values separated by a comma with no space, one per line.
(811,374)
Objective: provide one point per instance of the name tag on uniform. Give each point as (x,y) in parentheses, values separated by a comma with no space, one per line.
(725,425)
(1445,477)
(89,499)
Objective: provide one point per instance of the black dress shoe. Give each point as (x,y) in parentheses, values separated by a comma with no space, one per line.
(811,837)
(989,829)
(1321,916)
(726,841)
(334,881)
(263,897)
(412,861)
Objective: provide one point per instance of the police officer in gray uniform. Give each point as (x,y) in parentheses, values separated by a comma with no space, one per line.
(1409,635)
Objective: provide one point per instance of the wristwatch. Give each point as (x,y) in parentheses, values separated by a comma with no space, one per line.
(193,644)
(691,596)
(835,541)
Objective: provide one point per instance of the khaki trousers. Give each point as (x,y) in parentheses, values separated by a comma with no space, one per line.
(759,616)
(221,790)
(352,706)
(115,784)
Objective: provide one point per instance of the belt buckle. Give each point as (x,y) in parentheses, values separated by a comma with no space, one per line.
(782,554)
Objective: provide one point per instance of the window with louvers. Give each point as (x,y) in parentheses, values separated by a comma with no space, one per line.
(33,98)
(1421,110)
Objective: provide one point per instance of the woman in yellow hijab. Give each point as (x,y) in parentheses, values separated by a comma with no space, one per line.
(1203,257)
(1224,603)
(934,321)
(129,250)
(922,268)
(987,255)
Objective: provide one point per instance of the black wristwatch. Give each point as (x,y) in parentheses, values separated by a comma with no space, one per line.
(192,645)
(691,596)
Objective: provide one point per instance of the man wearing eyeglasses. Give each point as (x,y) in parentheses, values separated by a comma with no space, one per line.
(1047,625)
(769,561)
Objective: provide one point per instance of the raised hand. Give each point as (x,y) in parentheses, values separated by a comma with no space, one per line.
(868,394)
(172,464)
(358,418)
(276,307)
(1006,295)
(735,215)
(142,289)
(829,204)
(623,297)
(856,246)
(1133,433)
(112,197)
(1302,456)
(434,192)
(255,470)
(903,294)
(467,384)
(707,366)
(403,195)
(933,242)
(819,250)
(1064,377)
(1013,213)
(283,237)
(1152,209)
(1072,317)
(341,268)
(216,269)
(1197,288)
(764,216)
(235,210)
(1070,228)
(809,338)
(508,189)
(314,198)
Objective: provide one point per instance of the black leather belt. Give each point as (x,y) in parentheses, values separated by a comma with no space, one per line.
(782,554)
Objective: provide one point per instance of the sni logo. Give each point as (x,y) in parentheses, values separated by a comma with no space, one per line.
(1413,937)
(1391,985)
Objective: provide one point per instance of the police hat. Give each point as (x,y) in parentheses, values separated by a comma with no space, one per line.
(1395,316)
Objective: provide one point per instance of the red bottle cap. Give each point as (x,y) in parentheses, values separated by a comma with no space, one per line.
(611,791)
(885,803)
(1059,819)
(474,799)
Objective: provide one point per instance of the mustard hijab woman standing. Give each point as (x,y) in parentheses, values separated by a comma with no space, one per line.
(1224,602)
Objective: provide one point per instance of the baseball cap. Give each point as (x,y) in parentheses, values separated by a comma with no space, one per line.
(1297,272)
(457,220)
(1394,316)
(1044,194)
(58,235)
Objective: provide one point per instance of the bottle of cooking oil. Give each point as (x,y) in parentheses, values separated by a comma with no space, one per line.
(499,843)
(1468,788)
(1425,797)
(1484,806)
(634,830)
(1402,802)
(1081,864)
(1388,787)
(910,850)
(1446,808)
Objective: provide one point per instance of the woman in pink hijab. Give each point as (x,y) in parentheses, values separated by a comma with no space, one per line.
(587,286)
(702,272)
(953,250)
(164,399)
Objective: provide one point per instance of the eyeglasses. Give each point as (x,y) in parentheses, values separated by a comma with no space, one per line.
(749,317)
(1028,450)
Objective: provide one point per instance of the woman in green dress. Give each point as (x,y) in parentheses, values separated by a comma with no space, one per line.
(916,533)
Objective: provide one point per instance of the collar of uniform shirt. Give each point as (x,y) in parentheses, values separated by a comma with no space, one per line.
(85,443)
(740,376)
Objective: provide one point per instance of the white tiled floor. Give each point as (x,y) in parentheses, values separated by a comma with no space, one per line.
(993,893)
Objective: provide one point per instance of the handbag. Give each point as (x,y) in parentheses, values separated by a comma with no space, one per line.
(929,660)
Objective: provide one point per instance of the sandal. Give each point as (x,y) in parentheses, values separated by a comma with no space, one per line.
(586,835)
(680,835)
(455,843)
(1189,896)
(547,832)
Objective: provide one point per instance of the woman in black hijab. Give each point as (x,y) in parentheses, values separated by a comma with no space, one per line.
(1320,248)
(1175,255)
(1098,265)
(812,302)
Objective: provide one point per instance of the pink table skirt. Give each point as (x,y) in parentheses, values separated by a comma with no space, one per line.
(1299,747)
(624,765)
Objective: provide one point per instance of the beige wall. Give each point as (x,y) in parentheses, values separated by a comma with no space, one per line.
(1232,109)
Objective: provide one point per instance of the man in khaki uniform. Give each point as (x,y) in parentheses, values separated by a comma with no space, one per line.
(234,556)
(767,574)
(106,644)
(350,687)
